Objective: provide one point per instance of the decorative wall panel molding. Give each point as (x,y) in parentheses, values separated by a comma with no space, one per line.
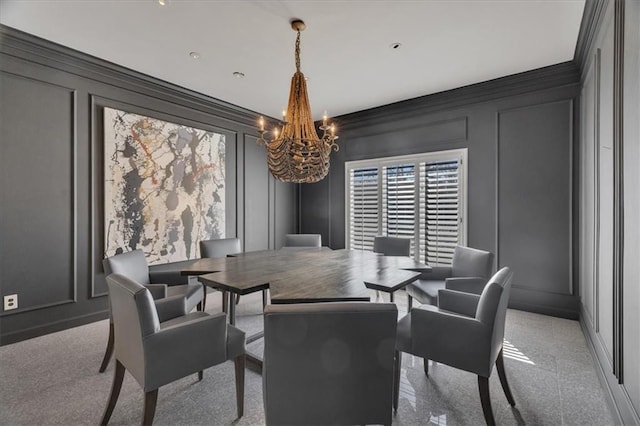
(258,192)
(615,336)
(534,195)
(436,132)
(38,162)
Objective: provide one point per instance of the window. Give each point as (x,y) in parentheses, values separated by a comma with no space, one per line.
(421,197)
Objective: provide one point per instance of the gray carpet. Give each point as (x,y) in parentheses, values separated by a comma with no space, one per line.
(54,380)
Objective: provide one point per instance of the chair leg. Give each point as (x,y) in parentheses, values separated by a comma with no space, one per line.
(240,367)
(409,303)
(109,351)
(397,366)
(264,299)
(425,365)
(483,386)
(118,376)
(150,400)
(237,299)
(391,297)
(503,379)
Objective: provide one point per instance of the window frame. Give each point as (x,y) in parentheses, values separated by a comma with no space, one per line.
(460,154)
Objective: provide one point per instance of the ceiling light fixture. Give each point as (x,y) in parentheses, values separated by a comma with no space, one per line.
(162,2)
(238,74)
(194,55)
(295,153)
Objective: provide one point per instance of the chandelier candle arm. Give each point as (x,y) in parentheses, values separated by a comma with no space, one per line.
(297,154)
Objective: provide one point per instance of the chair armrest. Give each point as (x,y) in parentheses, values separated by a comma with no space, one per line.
(437,273)
(184,348)
(448,337)
(158,291)
(171,307)
(473,285)
(458,302)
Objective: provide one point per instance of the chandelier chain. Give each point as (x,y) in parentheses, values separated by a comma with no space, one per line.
(298,52)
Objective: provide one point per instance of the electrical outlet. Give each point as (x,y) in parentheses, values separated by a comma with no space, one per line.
(10,302)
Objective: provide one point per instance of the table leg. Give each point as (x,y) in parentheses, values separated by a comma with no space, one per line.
(391,297)
(225,300)
(255,361)
(229,299)
(231,306)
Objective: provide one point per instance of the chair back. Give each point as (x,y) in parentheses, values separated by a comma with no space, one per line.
(132,265)
(470,262)
(303,240)
(134,318)
(392,246)
(220,248)
(329,363)
(492,309)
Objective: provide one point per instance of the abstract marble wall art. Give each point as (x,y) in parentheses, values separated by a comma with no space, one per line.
(164,187)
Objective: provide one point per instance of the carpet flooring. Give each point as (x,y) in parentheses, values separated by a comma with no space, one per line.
(54,380)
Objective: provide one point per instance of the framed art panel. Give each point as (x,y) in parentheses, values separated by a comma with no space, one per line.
(164,187)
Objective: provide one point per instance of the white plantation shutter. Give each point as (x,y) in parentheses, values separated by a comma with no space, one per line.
(363,211)
(442,212)
(399,201)
(420,197)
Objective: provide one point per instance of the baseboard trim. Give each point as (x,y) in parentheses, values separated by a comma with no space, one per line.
(52,327)
(617,398)
(541,302)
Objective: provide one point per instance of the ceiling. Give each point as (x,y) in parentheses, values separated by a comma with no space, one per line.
(346,47)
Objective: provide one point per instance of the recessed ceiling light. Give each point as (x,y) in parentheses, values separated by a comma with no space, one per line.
(163,2)
(194,55)
(238,74)
(395,45)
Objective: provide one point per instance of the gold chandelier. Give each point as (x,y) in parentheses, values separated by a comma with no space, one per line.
(295,153)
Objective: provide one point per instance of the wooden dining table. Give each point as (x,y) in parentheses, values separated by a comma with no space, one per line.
(305,275)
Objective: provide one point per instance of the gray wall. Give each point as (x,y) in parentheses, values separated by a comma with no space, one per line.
(519,131)
(51,198)
(609,154)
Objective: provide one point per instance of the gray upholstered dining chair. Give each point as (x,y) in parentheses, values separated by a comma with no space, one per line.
(466,331)
(329,363)
(392,246)
(157,352)
(220,248)
(302,240)
(134,265)
(469,272)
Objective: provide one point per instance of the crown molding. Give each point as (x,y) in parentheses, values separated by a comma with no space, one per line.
(553,76)
(592,16)
(34,49)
